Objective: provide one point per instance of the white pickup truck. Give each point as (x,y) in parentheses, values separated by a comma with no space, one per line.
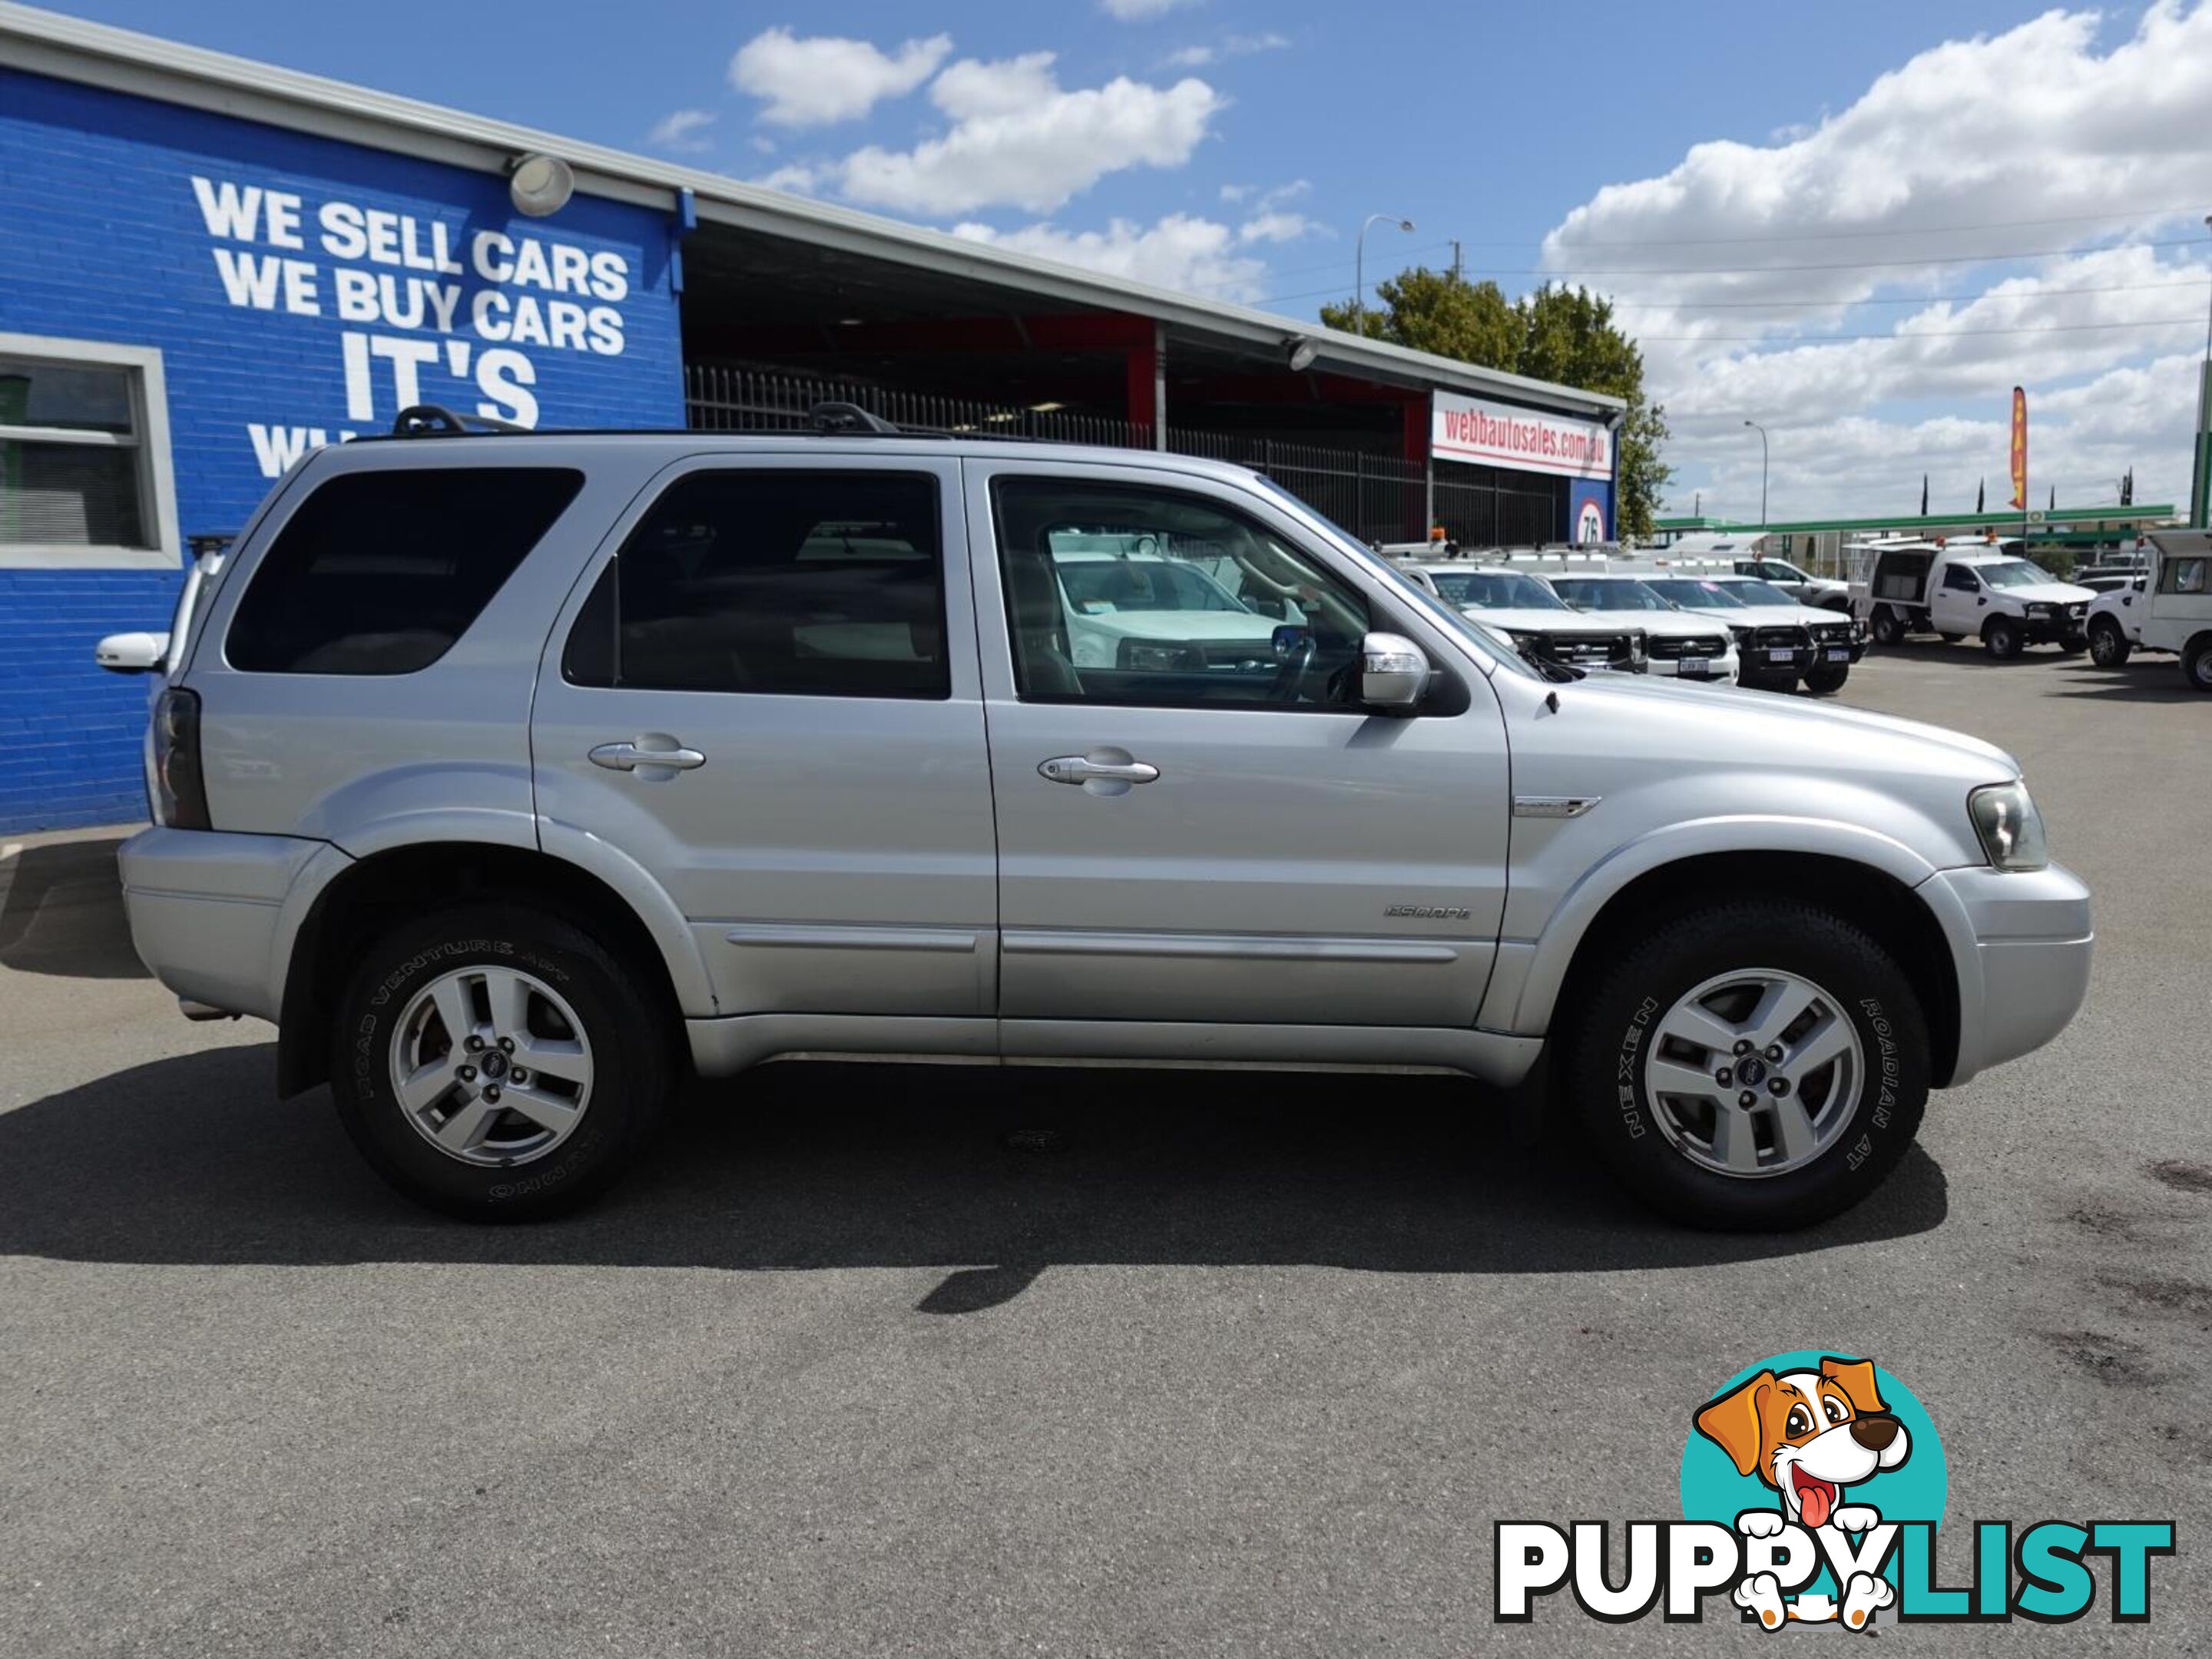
(1963,589)
(2168,608)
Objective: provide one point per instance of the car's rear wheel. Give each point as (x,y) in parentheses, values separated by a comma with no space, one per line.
(497,1064)
(2001,638)
(2108,646)
(1825,680)
(1885,626)
(1755,1064)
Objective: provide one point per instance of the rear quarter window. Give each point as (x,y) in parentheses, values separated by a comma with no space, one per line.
(380,573)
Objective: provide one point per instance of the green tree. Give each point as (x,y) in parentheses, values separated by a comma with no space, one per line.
(1557,333)
(1435,310)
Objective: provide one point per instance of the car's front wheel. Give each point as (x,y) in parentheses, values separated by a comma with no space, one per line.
(2196,662)
(497,1063)
(1753,1064)
(2108,646)
(1826,679)
(2001,638)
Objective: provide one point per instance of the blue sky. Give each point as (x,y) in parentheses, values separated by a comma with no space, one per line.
(1765,185)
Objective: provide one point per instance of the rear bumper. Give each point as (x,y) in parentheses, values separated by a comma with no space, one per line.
(208,912)
(2029,970)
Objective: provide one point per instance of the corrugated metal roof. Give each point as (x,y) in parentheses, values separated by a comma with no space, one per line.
(72,49)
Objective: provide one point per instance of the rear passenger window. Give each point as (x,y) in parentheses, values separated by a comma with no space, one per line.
(379,573)
(820,584)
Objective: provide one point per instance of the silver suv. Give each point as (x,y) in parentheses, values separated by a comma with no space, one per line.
(512,775)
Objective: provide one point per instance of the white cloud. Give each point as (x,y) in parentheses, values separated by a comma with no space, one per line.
(816,79)
(1018,139)
(1990,168)
(1275,225)
(682,131)
(1180,252)
(1233,45)
(1139,11)
(797,178)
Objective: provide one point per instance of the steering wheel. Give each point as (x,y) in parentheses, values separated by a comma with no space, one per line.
(1291,676)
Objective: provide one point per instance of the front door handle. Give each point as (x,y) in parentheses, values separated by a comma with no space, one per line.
(629,758)
(1081,768)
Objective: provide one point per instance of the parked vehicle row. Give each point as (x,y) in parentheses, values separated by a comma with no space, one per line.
(1712,625)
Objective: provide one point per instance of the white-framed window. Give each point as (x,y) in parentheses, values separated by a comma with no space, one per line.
(85,477)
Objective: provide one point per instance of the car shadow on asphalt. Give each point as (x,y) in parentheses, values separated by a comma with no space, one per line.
(2157,681)
(821,1165)
(61,912)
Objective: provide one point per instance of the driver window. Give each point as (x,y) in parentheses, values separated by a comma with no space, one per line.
(1960,579)
(1120,593)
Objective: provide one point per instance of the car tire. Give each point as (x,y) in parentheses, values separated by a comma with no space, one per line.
(2108,646)
(2001,638)
(1652,1149)
(1826,680)
(2073,645)
(1951,639)
(2196,663)
(1888,630)
(536,988)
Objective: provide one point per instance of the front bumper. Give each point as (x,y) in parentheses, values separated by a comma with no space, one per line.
(2024,968)
(212,913)
(1718,671)
(2053,630)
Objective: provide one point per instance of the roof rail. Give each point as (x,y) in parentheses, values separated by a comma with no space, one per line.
(843,417)
(433,421)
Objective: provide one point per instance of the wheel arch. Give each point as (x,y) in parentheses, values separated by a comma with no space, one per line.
(372,894)
(1874,892)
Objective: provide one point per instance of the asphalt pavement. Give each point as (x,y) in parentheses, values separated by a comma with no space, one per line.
(1238,1364)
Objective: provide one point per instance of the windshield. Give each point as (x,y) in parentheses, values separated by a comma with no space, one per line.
(2013,572)
(1494,590)
(1696,595)
(1755,592)
(1588,593)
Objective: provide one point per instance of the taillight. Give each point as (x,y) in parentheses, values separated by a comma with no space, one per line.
(180,787)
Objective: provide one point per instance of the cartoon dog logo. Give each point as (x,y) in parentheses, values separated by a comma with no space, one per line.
(1809,1435)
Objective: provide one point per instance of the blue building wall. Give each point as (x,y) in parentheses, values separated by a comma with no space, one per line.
(289,283)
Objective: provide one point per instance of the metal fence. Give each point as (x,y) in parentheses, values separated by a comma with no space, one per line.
(1377,497)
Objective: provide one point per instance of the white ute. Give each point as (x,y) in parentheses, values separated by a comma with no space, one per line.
(2169,608)
(1969,589)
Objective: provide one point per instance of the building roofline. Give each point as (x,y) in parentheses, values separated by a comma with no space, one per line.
(71,48)
(2005,518)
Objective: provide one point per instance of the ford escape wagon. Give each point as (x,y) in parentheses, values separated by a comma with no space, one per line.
(511,775)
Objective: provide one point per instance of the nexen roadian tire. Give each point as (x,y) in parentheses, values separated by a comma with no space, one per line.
(494,1062)
(1756,1171)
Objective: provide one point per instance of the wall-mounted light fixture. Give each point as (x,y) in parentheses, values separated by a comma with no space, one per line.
(540,184)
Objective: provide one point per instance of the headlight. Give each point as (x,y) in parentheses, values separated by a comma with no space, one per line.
(2039,611)
(2010,828)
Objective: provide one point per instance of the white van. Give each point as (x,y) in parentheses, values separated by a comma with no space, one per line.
(2169,608)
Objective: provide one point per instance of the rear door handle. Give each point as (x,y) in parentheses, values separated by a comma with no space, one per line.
(629,758)
(1081,768)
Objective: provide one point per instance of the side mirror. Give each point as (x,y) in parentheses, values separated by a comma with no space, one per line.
(1394,674)
(132,653)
